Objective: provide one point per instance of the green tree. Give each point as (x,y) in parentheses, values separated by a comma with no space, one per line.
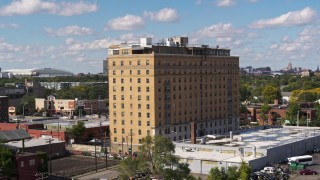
(244,171)
(271,93)
(264,113)
(245,92)
(215,174)
(232,173)
(7,165)
(292,112)
(77,130)
(156,155)
(27,105)
(127,168)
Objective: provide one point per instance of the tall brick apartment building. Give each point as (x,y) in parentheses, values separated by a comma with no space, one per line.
(162,88)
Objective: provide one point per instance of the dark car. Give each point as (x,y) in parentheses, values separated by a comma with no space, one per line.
(307,172)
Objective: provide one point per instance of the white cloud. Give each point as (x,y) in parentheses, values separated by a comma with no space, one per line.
(164,15)
(225,3)
(69,9)
(128,22)
(69,31)
(219,31)
(292,18)
(9,25)
(100,44)
(25,7)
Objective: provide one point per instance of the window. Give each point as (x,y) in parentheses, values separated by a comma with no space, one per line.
(139,89)
(122,114)
(122,105)
(114,97)
(139,106)
(148,106)
(148,115)
(130,71)
(148,123)
(115,139)
(138,71)
(131,80)
(114,80)
(139,97)
(32,162)
(139,132)
(147,62)
(147,71)
(114,121)
(130,63)
(139,114)
(147,80)
(122,80)
(114,72)
(123,131)
(22,164)
(113,63)
(115,130)
(148,98)
(139,80)
(121,63)
(114,105)
(148,89)
(138,63)
(139,123)
(122,97)
(122,88)
(114,88)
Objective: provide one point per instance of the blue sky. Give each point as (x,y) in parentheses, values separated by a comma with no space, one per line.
(74,34)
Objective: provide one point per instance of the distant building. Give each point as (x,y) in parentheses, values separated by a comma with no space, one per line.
(4,113)
(39,72)
(69,106)
(248,69)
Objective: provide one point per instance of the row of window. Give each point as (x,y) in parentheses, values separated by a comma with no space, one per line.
(131,122)
(139,97)
(138,63)
(174,63)
(114,80)
(131,105)
(183,71)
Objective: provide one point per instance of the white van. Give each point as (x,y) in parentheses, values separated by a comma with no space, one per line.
(269,170)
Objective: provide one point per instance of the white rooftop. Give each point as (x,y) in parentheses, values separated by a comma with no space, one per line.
(33,142)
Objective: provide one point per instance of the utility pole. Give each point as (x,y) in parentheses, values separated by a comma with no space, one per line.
(50,163)
(106,149)
(298,119)
(95,153)
(122,147)
(131,134)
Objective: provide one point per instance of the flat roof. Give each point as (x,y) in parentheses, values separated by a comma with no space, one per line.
(33,142)
(261,139)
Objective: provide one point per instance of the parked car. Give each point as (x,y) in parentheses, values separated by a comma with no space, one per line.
(307,172)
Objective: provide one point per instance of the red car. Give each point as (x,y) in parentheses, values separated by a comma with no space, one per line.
(307,172)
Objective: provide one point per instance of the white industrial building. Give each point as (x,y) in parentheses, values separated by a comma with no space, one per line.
(258,147)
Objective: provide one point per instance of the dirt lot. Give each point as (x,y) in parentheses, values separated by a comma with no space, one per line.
(78,164)
(315,166)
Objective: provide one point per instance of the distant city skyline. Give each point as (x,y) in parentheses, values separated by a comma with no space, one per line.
(74,35)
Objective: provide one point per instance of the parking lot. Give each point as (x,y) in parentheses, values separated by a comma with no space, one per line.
(78,164)
(315,166)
